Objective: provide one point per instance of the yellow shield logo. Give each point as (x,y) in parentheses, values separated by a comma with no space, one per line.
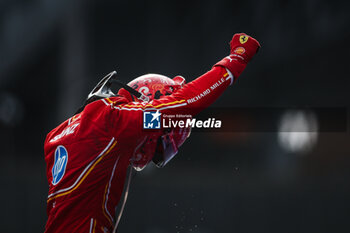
(243,39)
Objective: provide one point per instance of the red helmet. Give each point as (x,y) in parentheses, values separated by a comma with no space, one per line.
(160,148)
(153,86)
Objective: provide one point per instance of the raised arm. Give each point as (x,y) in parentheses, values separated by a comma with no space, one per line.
(203,91)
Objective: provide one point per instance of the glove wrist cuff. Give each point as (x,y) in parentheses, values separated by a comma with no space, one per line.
(235,66)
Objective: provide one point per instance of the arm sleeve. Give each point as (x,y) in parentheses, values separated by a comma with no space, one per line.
(192,97)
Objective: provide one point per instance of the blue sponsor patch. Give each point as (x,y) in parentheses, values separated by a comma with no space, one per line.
(59,167)
(151,120)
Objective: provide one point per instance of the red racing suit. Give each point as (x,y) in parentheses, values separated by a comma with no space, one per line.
(99,143)
(87,156)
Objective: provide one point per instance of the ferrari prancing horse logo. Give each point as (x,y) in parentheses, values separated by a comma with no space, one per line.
(243,39)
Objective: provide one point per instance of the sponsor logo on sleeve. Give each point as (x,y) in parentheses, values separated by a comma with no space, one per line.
(60,164)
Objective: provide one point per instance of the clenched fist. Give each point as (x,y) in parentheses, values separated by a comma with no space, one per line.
(242,49)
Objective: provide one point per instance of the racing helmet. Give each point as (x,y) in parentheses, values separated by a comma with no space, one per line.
(158,148)
(153,86)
